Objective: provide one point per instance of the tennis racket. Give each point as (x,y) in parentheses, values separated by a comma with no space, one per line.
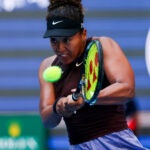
(91,74)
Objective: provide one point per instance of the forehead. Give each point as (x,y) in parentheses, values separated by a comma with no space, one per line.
(66,37)
(59,38)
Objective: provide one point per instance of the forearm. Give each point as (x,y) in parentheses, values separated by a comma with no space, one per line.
(117,93)
(49,118)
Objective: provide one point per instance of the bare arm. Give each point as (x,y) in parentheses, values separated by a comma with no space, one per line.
(47,98)
(118,72)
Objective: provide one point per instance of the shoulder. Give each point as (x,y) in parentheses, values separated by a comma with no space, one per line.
(106,42)
(103,39)
(46,63)
(109,45)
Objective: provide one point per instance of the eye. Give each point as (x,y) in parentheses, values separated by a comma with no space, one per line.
(53,40)
(66,40)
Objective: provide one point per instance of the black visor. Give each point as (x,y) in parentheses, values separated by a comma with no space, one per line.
(62,27)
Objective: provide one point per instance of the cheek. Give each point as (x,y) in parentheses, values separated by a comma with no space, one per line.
(76,51)
(53,48)
(79,48)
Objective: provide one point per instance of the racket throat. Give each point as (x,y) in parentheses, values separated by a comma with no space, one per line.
(80,90)
(76,95)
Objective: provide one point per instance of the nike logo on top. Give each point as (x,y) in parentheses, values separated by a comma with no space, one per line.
(79,64)
(54,23)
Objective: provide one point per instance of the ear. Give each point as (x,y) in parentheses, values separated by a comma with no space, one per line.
(84,35)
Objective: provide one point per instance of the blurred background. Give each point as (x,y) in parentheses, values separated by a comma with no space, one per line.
(22,48)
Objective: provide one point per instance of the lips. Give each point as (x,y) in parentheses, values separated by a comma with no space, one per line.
(65,58)
(63,55)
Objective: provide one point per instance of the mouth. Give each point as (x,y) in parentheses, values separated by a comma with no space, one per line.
(65,58)
(63,55)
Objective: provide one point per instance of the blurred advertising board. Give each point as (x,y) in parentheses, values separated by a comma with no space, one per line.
(22,132)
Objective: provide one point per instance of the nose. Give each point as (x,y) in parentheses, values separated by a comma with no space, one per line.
(60,48)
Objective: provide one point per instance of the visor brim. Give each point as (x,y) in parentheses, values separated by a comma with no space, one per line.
(60,33)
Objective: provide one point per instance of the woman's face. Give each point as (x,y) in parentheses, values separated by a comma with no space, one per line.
(69,48)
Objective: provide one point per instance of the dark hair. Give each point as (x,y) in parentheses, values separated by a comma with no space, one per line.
(71,9)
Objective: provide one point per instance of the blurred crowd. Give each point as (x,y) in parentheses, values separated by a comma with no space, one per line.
(10,5)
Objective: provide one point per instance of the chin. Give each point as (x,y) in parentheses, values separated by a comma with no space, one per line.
(66,61)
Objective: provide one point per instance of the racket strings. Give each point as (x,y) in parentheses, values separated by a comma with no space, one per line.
(91,71)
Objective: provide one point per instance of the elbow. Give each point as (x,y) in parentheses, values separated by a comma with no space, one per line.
(45,122)
(131,91)
(49,120)
(48,125)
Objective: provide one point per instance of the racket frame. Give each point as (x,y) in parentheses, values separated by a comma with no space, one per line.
(80,92)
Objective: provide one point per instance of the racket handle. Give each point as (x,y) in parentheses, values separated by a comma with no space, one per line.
(75,97)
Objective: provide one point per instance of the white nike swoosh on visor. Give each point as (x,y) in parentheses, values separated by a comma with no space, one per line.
(54,23)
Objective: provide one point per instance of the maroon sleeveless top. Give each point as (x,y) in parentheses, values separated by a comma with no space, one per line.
(89,122)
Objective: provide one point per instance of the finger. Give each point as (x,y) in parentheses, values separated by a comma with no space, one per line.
(60,108)
(66,113)
(73,90)
(65,110)
(69,107)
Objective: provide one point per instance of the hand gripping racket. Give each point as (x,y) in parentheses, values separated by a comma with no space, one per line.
(91,74)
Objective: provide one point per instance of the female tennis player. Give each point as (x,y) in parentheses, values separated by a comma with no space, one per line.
(101,126)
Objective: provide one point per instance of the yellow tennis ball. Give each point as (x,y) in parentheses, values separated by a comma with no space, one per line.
(52,74)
